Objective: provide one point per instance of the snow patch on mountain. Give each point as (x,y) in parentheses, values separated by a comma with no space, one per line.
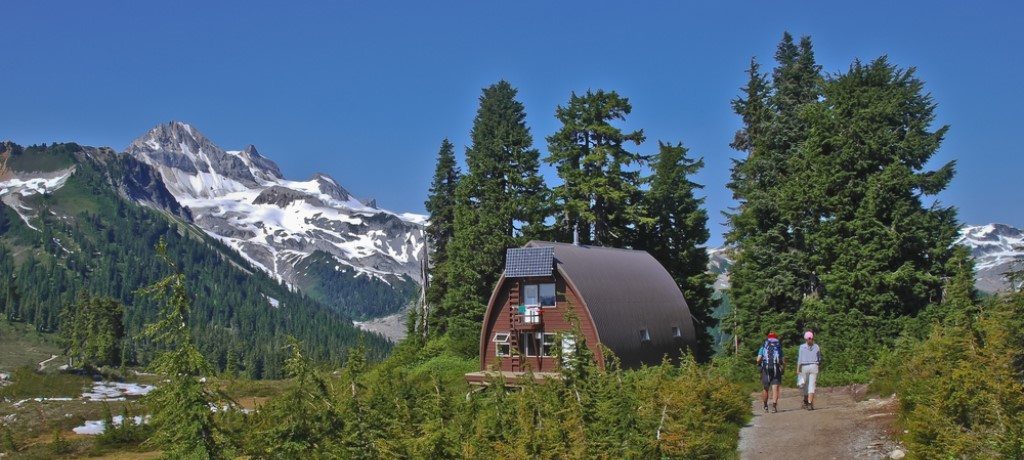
(21,185)
(719,261)
(996,248)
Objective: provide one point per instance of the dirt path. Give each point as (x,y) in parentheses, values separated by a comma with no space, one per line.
(841,426)
(42,364)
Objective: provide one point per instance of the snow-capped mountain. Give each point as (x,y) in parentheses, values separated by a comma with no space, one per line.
(719,262)
(282,226)
(995,248)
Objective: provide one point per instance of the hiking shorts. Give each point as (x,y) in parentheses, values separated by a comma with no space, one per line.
(770,377)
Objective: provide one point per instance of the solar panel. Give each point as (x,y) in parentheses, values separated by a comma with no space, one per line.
(526,262)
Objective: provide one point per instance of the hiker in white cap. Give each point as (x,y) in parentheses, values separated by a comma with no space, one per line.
(807,368)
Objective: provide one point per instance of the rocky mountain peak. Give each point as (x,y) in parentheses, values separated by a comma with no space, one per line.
(194,167)
(328,186)
(173,135)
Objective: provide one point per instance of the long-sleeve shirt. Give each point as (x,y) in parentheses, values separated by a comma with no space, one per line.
(809,354)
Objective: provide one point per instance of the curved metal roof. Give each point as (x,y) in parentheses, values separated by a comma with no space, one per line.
(627,291)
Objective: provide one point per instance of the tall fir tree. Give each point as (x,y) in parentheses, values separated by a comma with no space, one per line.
(498,204)
(182,421)
(677,234)
(880,252)
(440,206)
(770,276)
(600,177)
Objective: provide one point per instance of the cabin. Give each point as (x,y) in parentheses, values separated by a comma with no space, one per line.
(623,299)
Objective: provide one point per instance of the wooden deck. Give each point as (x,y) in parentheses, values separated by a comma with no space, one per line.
(486,378)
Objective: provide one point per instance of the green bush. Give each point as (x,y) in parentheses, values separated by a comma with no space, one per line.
(418,405)
(7,444)
(59,445)
(961,389)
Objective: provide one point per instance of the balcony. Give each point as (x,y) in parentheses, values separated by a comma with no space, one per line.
(528,321)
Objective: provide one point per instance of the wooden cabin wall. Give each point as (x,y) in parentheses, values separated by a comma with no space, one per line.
(554,321)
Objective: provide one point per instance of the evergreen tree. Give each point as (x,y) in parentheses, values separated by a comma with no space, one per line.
(677,234)
(440,206)
(93,331)
(769,277)
(498,204)
(299,423)
(231,363)
(599,189)
(181,416)
(832,231)
(880,252)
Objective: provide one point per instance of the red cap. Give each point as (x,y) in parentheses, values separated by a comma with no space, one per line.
(772,335)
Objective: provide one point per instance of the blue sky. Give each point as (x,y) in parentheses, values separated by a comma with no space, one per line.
(365,91)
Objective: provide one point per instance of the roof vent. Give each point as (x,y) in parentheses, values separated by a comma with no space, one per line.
(529,262)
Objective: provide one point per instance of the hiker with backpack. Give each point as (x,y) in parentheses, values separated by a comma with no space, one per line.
(772,363)
(807,363)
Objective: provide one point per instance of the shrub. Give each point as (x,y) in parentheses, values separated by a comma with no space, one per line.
(59,445)
(962,388)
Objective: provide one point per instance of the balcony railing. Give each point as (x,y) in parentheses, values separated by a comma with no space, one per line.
(528,321)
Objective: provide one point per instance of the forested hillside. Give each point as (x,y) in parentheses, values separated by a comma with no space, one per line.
(91,240)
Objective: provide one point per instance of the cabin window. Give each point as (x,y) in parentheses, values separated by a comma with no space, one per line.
(539,295)
(502,347)
(547,295)
(568,349)
(531,297)
(676,333)
(645,335)
(549,345)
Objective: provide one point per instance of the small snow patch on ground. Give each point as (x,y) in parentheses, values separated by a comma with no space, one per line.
(23,401)
(96,427)
(116,391)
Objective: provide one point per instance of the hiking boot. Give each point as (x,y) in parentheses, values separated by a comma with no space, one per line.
(775,408)
(766,407)
(810,406)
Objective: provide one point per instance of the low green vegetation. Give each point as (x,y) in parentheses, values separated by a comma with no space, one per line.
(961,386)
(21,345)
(27,382)
(417,405)
(41,158)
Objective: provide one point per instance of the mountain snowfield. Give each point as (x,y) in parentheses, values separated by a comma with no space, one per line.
(995,248)
(242,199)
(20,185)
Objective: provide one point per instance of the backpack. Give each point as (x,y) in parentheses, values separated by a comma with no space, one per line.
(772,359)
